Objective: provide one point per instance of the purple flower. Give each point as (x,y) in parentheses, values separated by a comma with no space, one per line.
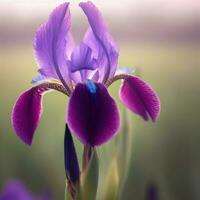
(71,161)
(15,190)
(152,192)
(84,73)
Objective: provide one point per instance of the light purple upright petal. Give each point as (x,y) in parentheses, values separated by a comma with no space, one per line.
(76,77)
(26,113)
(140,98)
(53,44)
(92,114)
(95,76)
(81,58)
(99,39)
(70,45)
(82,64)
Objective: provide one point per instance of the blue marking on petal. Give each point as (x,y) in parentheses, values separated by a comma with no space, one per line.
(126,69)
(38,79)
(91,86)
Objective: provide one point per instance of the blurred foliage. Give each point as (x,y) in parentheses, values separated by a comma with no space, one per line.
(165,153)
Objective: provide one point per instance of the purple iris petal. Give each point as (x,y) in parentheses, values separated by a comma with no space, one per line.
(53,44)
(39,78)
(81,58)
(140,98)
(82,63)
(152,193)
(26,113)
(92,114)
(99,39)
(83,75)
(75,76)
(125,70)
(71,160)
(95,76)
(15,190)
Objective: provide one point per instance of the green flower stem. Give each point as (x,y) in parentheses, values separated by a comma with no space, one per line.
(66,193)
(70,191)
(90,176)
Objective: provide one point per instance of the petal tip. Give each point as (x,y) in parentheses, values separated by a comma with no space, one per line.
(63,5)
(27,141)
(26,114)
(154,119)
(82,3)
(140,98)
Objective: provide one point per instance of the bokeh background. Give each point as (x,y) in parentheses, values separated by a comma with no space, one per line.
(161,39)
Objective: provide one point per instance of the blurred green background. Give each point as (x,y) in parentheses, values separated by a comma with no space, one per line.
(162,41)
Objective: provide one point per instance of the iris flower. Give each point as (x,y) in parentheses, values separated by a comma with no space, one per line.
(15,190)
(83,73)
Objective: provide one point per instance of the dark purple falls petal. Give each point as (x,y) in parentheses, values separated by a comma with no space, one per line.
(92,114)
(140,98)
(26,113)
(71,161)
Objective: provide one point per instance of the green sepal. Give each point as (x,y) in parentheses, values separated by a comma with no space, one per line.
(89,179)
(67,195)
